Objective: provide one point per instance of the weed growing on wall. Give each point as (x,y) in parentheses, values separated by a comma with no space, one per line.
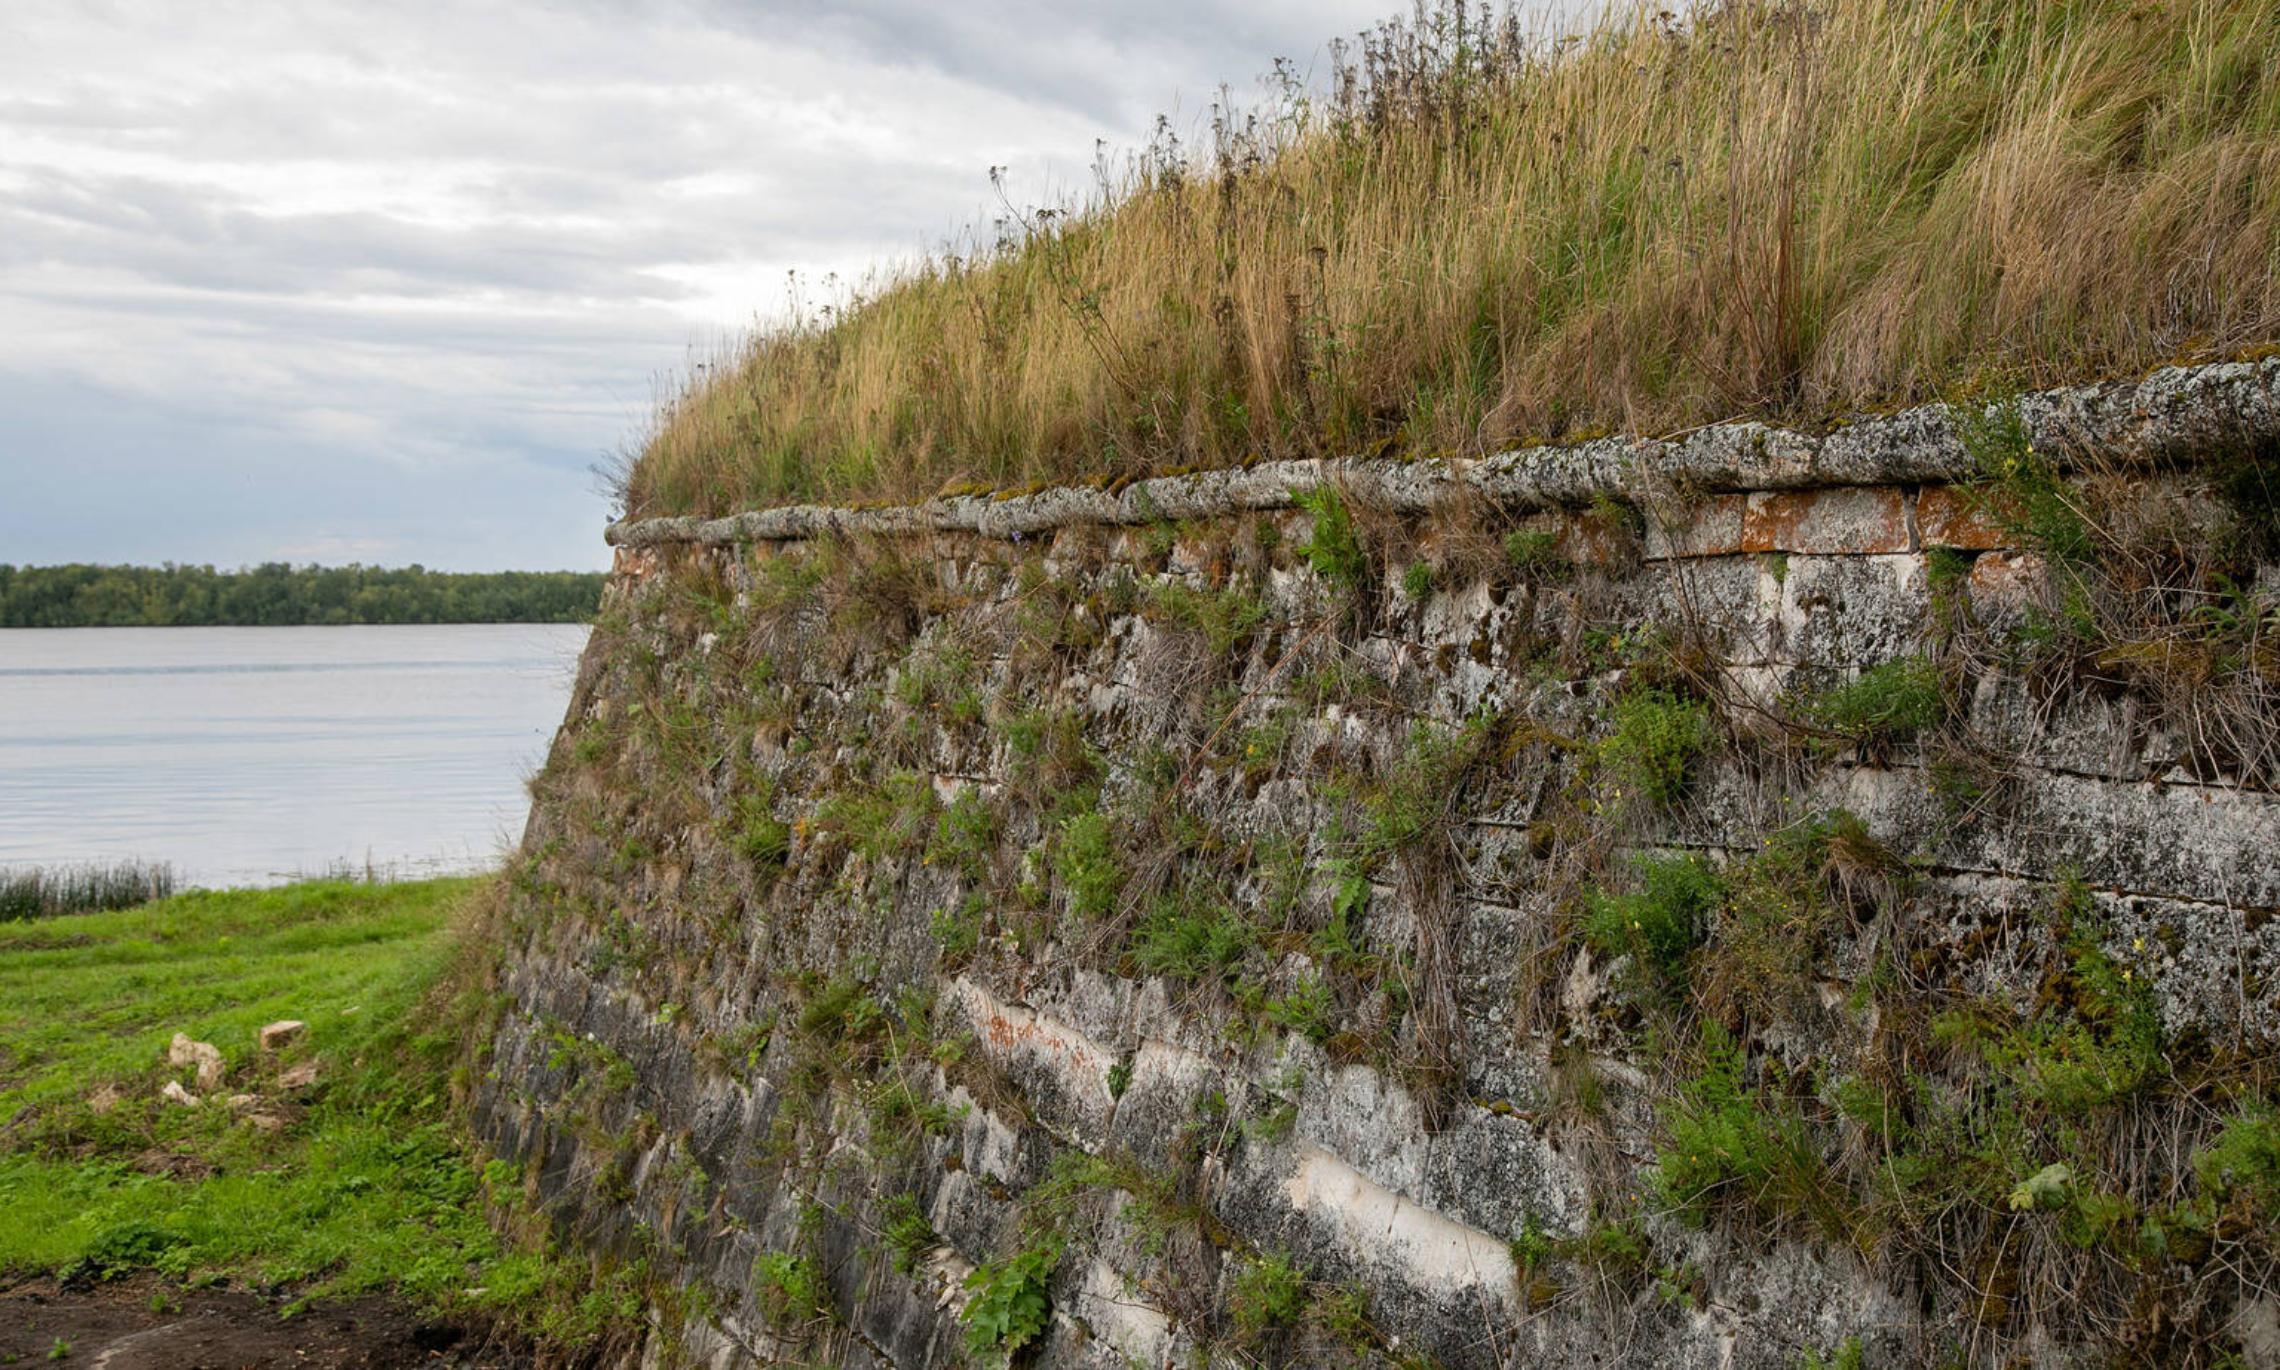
(1661,922)
(1084,856)
(1656,740)
(1732,1143)
(1268,1292)
(1008,1303)
(1225,617)
(1333,547)
(1884,706)
(791,1290)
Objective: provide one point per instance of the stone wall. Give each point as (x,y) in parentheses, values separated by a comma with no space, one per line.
(1631,904)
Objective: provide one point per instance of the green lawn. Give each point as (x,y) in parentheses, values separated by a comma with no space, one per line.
(369,1183)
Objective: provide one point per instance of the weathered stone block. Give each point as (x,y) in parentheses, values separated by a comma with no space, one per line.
(1839,522)
(1950,516)
(1216,1065)
(1698,526)
(282,1034)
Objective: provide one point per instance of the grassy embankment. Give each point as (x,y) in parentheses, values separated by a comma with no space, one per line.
(1481,238)
(368,1185)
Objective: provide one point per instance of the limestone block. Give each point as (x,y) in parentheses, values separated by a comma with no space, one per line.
(2003,586)
(1850,611)
(279,1035)
(1063,1071)
(1838,522)
(1950,516)
(1698,526)
(205,1056)
(1499,1172)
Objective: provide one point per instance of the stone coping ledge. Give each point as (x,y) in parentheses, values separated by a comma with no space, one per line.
(2171,415)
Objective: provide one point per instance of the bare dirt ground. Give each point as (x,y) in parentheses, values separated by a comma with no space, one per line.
(144,1323)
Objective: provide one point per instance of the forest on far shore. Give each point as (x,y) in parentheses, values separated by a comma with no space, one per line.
(276,594)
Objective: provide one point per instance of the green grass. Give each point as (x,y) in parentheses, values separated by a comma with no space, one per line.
(369,1185)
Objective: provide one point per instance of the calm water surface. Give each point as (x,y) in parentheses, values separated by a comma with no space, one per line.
(250,755)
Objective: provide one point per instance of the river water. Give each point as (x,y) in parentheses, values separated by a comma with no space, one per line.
(252,755)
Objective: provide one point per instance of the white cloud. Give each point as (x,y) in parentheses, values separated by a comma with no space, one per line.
(270,269)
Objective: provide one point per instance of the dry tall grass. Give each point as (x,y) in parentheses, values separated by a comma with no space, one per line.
(1481,237)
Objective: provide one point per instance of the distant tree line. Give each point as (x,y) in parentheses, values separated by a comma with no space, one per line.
(173,596)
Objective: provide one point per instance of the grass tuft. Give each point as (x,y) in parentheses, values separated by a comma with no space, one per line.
(42,892)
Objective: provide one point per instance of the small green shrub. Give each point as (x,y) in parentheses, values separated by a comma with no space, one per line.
(1417,580)
(1616,1249)
(1661,922)
(1273,1125)
(1730,1143)
(1333,548)
(959,931)
(1268,1292)
(909,1235)
(1085,859)
(1655,742)
(754,833)
(2244,1159)
(1191,935)
(1534,1248)
(1053,766)
(2018,486)
(123,1248)
(1885,705)
(595,742)
(882,821)
(2098,1044)
(1409,804)
(1225,618)
(965,835)
(840,1010)
(1344,1314)
(1310,1009)
(1534,552)
(1007,1303)
(791,1290)
(1847,1356)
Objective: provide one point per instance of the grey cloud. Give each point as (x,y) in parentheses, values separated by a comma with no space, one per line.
(273,270)
(1083,57)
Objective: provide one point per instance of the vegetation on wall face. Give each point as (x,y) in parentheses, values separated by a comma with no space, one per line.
(1255,787)
(2153,587)
(1478,235)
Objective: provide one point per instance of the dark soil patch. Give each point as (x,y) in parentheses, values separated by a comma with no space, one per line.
(145,1323)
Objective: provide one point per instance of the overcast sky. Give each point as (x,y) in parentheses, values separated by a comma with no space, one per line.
(327,281)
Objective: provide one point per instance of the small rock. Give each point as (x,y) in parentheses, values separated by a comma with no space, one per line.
(104,1099)
(299,1076)
(279,1035)
(239,1103)
(174,1093)
(1582,988)
(264,1122)
(207,1057)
